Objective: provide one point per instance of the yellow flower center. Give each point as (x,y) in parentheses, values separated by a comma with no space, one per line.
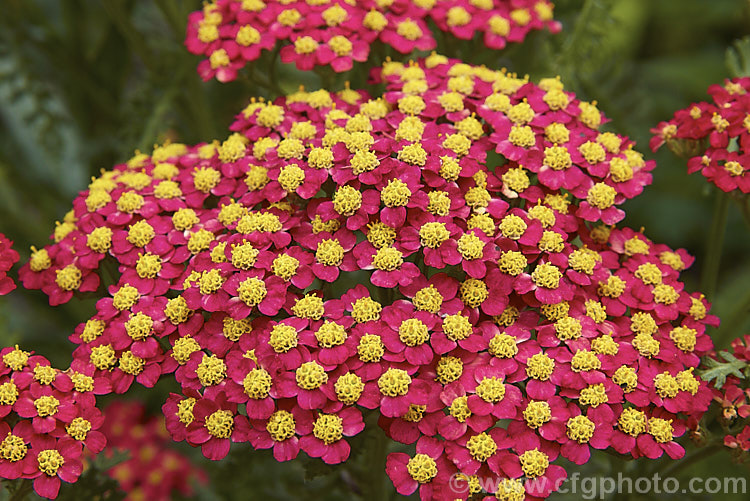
(584,260)
(546,275)
(449,369)
(310,306)
(395,194)
(593,395)
(177,310)
(103,357)
(522,136)
(601,196)
(512,227)
(540,367)
(470,246)
(556,312)
(537,413)
(605,345)
(211,371)
(632,422)
(666,385)
(585,360)
(473,292)
(13,448)
(311,376)
(131,364)
(409,30)
(139,326)
(8,393)
(661,429)
(291,177)
(99,240)
(185,410)
(210,282)
(481,447)
(347,200)
(491,390)
(349,388)
(130,202)
(643,323)
(534,463)
(684,338)
(247,36)
(458,144)
(329,252)
(625,377)
(457,327)
(330,334)
(183,348)
(68,278)
(46,405)
(422,468)
(580,429)
(78,429)
(636,245)
(370,348)
(394,382)
(551,242)
(620,170)
(200,241)
(49,461)
(459,409)
(503,346)
(283,338)
(281,426)
(449,168)
(39,260)
(646,345)
(218,58)
(285,266)
(290,148)
(220,424)
(148,265)
(413,154)
(613,287)
(665,294)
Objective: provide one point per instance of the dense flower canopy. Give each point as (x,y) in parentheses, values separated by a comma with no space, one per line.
(335,33)
(716,136)
(443,254)
(49,419)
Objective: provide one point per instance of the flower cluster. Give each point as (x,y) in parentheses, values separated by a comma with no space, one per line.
(733,397)
(48,418)
(715,135)
(442,255)
(334,33)
(8,257)
(153,470)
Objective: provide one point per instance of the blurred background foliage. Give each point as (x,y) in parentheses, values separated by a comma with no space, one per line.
(84,83)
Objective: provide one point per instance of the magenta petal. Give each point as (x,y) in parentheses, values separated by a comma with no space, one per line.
(46,486)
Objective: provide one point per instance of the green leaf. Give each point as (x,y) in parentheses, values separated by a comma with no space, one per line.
(738,58)
(718,371)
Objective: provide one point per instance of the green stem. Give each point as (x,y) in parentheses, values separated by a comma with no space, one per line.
(121,18)
(159,110)
(744,202)
(714,246)
(375,488)
(735,320)
(23,490)
(197,103)
(582,21)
